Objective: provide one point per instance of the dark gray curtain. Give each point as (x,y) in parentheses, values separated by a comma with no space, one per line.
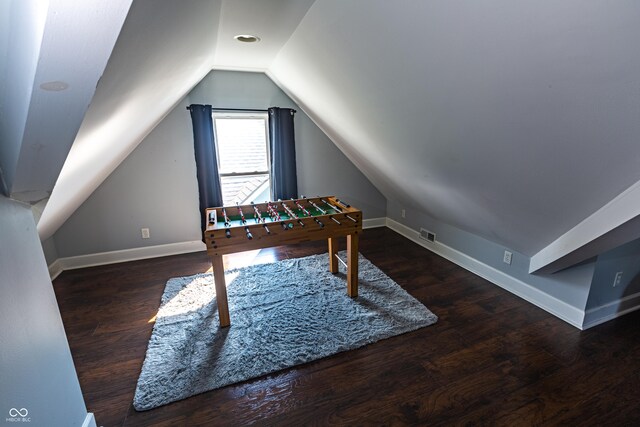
(284,181)
(206,162)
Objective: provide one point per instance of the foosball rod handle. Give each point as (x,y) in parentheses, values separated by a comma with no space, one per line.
(249,235)
(340,202)
(227,232)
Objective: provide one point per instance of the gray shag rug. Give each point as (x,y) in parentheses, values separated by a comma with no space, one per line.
(282,314)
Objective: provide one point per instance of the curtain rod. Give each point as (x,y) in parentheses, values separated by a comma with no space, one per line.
(248,110)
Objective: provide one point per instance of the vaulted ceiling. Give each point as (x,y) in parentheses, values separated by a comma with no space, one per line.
(517,121)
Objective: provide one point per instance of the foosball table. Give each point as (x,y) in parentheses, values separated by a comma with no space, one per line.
(240,228)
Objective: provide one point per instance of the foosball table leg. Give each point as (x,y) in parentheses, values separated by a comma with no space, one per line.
(221,290)
(352,265)
(333,250)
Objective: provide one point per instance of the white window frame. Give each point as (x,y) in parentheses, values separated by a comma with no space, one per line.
(244,116)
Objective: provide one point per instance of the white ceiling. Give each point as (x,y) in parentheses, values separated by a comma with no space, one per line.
(514,120)
(273,21)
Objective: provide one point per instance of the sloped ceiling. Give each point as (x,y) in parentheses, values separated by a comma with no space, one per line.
(165,48)
(514,120)
(55,44)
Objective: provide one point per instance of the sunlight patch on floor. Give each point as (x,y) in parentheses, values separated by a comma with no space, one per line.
(181,304)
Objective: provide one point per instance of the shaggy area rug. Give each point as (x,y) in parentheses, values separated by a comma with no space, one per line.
(282,314)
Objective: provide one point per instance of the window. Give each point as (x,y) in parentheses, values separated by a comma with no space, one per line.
(242,144)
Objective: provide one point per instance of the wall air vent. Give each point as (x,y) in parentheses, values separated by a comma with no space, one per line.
(427,235)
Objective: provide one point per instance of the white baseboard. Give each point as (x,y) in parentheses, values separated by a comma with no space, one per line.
(91,260)
(572,315)
(89,420)
(560,309)
(102,258)
(374,222)
(55,269)
(604,313)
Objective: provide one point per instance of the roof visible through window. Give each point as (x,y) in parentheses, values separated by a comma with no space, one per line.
(243,158)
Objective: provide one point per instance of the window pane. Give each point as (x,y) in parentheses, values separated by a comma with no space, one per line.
(244,189)
(242,146)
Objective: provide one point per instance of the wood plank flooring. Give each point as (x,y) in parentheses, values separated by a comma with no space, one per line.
(492,359)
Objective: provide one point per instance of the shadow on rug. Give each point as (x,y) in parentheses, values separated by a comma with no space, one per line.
(282,314)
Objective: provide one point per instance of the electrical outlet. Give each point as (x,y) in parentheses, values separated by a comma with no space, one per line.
(617,279)
(507,257)
(403,213)
(145,233)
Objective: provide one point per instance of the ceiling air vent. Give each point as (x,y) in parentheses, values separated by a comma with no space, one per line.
(427,235)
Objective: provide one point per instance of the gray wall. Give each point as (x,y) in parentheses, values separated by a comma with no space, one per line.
(50,250)
(625,258)
(36,368)
(321,166)
(156,185)
(570,286)
(5,20)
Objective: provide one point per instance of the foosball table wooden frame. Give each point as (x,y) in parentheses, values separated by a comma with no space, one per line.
(240,228)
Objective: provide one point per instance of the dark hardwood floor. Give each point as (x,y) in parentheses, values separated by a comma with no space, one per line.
(492,359)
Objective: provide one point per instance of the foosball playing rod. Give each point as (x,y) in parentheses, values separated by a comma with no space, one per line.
(274,214)
(320,223)
(259,219)
(292,214)
(227,222)
(302,208)
(335,208)
(264,224)
(308,213)
(315,206)
(256,214)
(244,221)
